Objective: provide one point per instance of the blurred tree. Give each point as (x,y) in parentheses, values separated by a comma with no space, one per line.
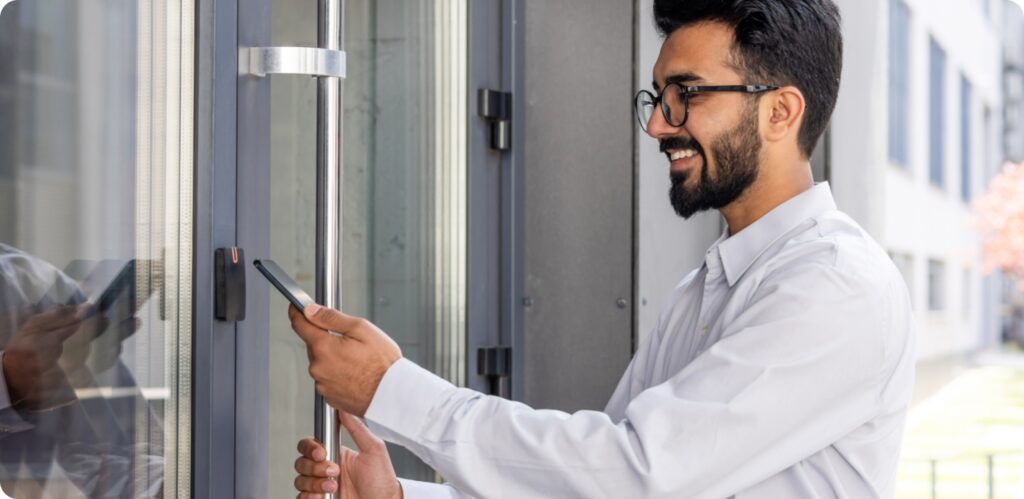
(999,216)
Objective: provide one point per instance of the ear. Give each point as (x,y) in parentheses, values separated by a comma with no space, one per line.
(785,112)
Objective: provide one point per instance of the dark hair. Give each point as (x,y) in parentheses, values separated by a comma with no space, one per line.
(780,42)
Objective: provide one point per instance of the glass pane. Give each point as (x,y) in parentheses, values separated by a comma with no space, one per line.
(404,235)
(95,248)
(292,241)
(404,215)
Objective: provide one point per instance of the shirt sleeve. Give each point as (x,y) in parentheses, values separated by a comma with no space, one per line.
(411,489)
(10,421)
(798,369)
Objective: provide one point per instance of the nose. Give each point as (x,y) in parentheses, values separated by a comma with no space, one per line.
(658,127)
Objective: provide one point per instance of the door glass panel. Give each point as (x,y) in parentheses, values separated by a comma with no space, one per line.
(95,248)
(404,206)
(292,241)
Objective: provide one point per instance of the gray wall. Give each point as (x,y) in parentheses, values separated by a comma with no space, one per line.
(578,201)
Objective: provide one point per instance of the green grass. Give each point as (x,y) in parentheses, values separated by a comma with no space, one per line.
(980,413)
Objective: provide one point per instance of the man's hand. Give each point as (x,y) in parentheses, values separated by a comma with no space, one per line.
(366,474)
(346,367)
(35,379)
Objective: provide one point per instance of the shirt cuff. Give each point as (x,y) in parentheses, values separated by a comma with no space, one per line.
(404,399)
(10,421)
(412,489)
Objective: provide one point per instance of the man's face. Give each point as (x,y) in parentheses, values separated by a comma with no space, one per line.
(714,157)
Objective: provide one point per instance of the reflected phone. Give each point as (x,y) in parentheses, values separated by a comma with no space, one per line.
(123,283)
(119,299)
(284,283)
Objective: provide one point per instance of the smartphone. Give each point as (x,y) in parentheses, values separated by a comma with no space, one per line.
(122,284)
(116,283)
(284,283)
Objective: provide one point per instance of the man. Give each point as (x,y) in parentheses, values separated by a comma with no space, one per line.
(52,443)
(781,368)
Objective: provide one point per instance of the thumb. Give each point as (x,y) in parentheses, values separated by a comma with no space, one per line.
(330,319)
(361,435)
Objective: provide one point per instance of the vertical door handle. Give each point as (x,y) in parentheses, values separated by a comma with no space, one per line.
(327,62)
(330,36)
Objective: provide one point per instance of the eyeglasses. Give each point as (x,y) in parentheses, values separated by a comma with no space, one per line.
(675,101)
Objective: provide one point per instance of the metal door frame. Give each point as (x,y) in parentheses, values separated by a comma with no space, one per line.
(216,421)
(494,301)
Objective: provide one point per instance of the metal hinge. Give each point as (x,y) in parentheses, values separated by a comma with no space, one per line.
(496,107)
(495,364)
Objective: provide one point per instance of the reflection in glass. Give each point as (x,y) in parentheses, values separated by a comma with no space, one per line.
(95,248)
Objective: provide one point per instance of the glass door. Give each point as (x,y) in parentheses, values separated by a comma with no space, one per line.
(403,195)
(95,248)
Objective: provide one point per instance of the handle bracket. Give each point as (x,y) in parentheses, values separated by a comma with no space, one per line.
(310,61)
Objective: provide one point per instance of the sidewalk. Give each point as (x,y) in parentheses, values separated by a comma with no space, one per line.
(967,433)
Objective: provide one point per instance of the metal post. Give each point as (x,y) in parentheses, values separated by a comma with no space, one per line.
(328,200)
(991,476)
(934,466)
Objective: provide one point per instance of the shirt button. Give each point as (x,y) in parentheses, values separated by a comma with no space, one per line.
(703,330)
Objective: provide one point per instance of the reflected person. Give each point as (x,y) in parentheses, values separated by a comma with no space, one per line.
(48,352)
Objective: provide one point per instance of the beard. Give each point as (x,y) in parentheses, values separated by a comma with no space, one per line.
(736,160)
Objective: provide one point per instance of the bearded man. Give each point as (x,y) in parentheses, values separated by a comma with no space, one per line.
(781,368)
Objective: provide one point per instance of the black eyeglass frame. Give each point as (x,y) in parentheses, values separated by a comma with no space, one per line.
(687,91)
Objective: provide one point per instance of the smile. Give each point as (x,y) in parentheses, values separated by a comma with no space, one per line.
(684,154)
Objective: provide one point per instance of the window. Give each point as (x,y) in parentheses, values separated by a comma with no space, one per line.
(899,80)
(936,135)
(965,138)
(990,166)
(936,285)
(905,263)
(96,105)
(968,288)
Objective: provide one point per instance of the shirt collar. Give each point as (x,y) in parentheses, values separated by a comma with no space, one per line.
(739,251)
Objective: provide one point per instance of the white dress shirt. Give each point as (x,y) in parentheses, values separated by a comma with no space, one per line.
(781,368)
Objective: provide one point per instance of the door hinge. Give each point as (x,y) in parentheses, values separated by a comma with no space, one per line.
(496,108)
(495,364)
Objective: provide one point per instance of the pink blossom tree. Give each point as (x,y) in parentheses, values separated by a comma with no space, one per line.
(999,216)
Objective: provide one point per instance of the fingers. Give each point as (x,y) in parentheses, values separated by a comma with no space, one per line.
(361,435)
(332,320)
(316,474)
(315,485)
(307,331)
(312,449)
(309,495)
(323,469)
(56,319)
(63,333)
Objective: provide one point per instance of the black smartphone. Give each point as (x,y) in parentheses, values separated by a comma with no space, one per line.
(90,276)
(284,283)
(123,284)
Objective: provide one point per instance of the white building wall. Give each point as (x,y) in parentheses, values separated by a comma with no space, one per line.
(858,122)
(922,220)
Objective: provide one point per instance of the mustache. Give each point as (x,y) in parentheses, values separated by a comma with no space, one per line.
(677,143)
